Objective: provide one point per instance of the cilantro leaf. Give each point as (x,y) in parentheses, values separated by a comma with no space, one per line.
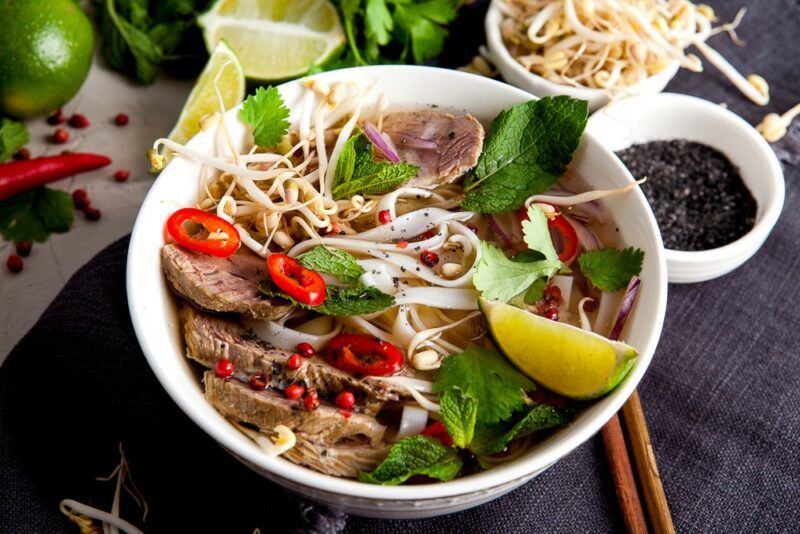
(528,148)
(459,411)
(611,269)
(267,114)
(415,455)
(34,215)
(536,235)
(378,22)
(493,439)
(499,278)
(13,135)
(126,45)
(422,22)
(339,301)
(357,172)
(338,263)
(488,377)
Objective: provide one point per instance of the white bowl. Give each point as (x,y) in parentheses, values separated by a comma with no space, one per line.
(153,308)
(673,116)
(515,74)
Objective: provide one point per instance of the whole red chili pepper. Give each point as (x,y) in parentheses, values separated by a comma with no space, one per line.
(19,176)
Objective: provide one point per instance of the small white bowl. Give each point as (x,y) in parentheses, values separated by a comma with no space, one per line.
(153,307)
(672,116)
(515,74)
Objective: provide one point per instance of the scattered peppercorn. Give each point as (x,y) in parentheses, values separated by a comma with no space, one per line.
(22,154)
(294,362)
(295,391)
(552,295)
(312,400)
(92,214)
(60,136)
(14,263)
(384,217)
(24,248)
(551,313)
(345,400)
(80,199)
(305,350)
(78,120)
(259,381)
(122,174)
(56,118)
(224,368)
(121,119)
(428,258)
(697,194)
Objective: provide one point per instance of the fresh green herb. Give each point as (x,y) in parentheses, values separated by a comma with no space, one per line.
(13,135)
(34,215)
(138,36)
(386,31)
(357,172)
(415,455)
(267,114)
(459,411)
(339,301)
(338,263)
(493,439)
(611,269)
(489,378)
(528,148)
(536,235)
(499,278)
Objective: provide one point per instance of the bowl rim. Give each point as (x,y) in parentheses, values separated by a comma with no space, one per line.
(501,56)
(479,482)
(771,210)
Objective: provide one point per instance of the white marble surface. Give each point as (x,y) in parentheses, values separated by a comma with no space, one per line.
(152,109)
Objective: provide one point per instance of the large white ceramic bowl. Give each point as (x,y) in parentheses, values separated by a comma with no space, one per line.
(515,74)
(153,308)
(673,116)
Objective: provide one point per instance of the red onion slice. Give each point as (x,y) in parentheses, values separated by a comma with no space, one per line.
(625,307)
(586,236)
(380,143)
(501,235)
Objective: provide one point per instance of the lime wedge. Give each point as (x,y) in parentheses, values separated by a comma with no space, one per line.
(275,39)
(572,362)
(224,66)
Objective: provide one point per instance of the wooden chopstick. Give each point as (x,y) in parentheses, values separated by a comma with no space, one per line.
(621,472)
(646,469)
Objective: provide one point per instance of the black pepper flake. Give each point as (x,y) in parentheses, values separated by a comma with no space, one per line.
(402,269)
(696,193)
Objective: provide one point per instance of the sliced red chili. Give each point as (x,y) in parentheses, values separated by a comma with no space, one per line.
(364,355)
(567,235)
(438,431)
(303,285)
(222,240)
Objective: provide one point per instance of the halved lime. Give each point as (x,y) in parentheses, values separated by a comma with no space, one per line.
(572,362)
(275,39)
(224,67)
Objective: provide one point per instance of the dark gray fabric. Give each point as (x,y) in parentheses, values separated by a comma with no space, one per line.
(721,396)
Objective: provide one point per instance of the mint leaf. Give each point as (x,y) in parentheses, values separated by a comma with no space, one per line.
(459,411)
(267,114)
(338,263)
(528,148)
(360,174)
(415,455)
(127,47)
(339,301)
(13,135)
(611,269)
(34,215)
(497,386)
(499,278)
(493,439)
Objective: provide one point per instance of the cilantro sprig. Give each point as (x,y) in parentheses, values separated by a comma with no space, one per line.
(357,172)
(528,148)
(611,269)
(266,112)
(34,215)
(13,135)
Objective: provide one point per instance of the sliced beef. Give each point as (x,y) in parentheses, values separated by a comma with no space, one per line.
(221,284)
(209,338)
(458,140)
(268,408)
(342,461)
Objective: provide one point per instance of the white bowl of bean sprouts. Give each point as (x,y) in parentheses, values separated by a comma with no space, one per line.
(601,51)
(155,310)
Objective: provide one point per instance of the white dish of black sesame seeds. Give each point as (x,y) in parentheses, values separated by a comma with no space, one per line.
(715,186)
